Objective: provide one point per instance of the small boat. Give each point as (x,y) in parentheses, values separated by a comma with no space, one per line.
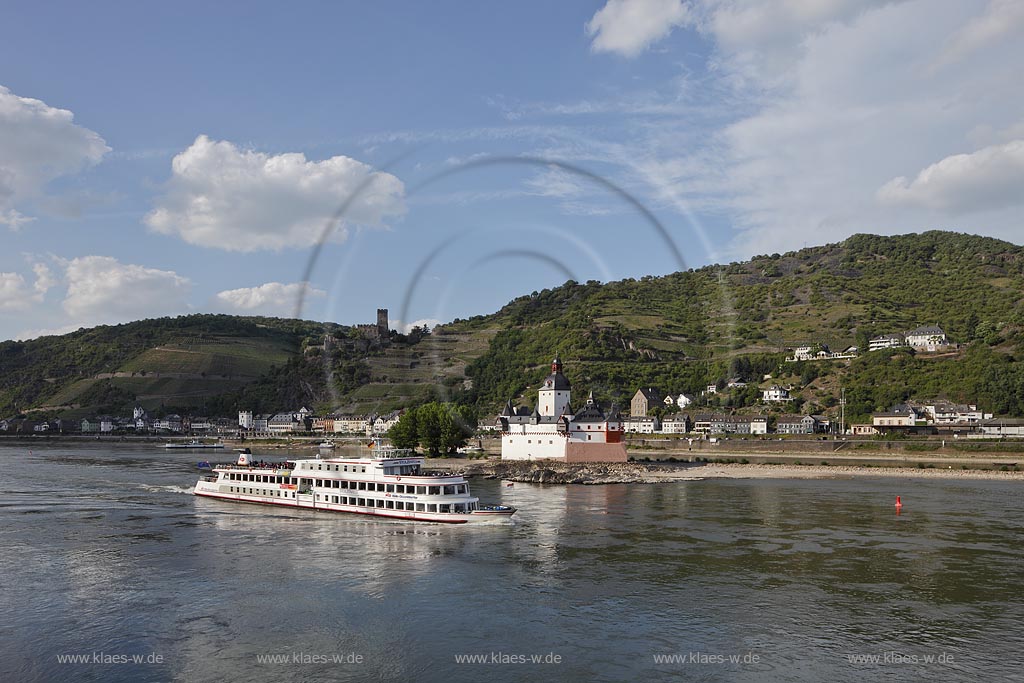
(326,445)
(193,444)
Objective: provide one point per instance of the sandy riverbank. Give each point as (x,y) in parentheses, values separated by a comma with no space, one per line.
(541,472)
(751,471)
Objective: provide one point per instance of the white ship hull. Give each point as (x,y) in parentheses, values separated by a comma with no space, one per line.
(388,484)
(474,517)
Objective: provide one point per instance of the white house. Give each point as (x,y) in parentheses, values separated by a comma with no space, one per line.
(886,341)
(683,401)
(245,419)
(553,431)
(385,422)
(947,412)
(775,393)
(669,401)
(352,424)
(676,424)
(643,424)
(928,338)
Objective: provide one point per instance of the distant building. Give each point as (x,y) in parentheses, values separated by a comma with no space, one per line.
(775,393)
(1003,426)
(711,423)
(261,423)
(949,413)
(676,424)
(901,416)
(683,401)
(245,419)
(927,338)
(353,424)
(553,431)
(886,341)
(796,424)
(283,423)
(643,424)
(383,423)
(381,331)
(643,400)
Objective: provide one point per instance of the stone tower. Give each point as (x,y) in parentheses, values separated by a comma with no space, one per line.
(553,397)
(382,323)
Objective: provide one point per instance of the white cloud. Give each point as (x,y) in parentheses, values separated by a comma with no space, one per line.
(762,40)
(270,299)
(990,178)
(103,290)
(628,27)
(17,295)
(844,106)
(39,143)
(1000,19)
(241,200)
(405,328)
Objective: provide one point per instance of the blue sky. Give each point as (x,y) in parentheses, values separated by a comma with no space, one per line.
(187,157)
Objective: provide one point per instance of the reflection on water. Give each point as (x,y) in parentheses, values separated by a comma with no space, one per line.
(106,552)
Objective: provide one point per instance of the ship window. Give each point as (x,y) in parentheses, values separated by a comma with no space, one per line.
(432,507)
(449,490)
(390,505)
(362,501)
(420,507)
(390,488)
(434,490)
(421,490)
(363,469)
(380,503)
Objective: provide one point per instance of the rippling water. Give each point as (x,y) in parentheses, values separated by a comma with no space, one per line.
(106,555)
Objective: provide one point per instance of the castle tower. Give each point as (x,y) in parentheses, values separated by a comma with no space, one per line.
(383,329)
(553,397)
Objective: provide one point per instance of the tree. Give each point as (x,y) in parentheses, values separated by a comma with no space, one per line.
(430,418)
(405,432)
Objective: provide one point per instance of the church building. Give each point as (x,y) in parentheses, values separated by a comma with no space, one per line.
(553,431)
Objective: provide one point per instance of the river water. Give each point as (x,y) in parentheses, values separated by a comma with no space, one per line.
(106,557)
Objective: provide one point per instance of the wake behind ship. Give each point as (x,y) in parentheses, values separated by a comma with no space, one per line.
(389,482)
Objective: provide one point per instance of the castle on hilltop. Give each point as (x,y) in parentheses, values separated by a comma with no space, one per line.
(380,332)
(553,431)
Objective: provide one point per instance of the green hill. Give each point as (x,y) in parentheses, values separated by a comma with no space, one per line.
(687,330)
(680,333)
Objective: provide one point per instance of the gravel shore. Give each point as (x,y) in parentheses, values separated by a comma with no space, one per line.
(548,472)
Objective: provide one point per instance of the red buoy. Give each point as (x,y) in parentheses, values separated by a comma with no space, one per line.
(898,503)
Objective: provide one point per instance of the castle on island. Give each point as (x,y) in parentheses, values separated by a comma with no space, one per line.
(553,431)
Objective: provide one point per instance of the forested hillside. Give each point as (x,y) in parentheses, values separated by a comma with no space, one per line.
(687,330)
(679,333)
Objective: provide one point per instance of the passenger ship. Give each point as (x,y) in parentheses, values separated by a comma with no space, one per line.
(390,482)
